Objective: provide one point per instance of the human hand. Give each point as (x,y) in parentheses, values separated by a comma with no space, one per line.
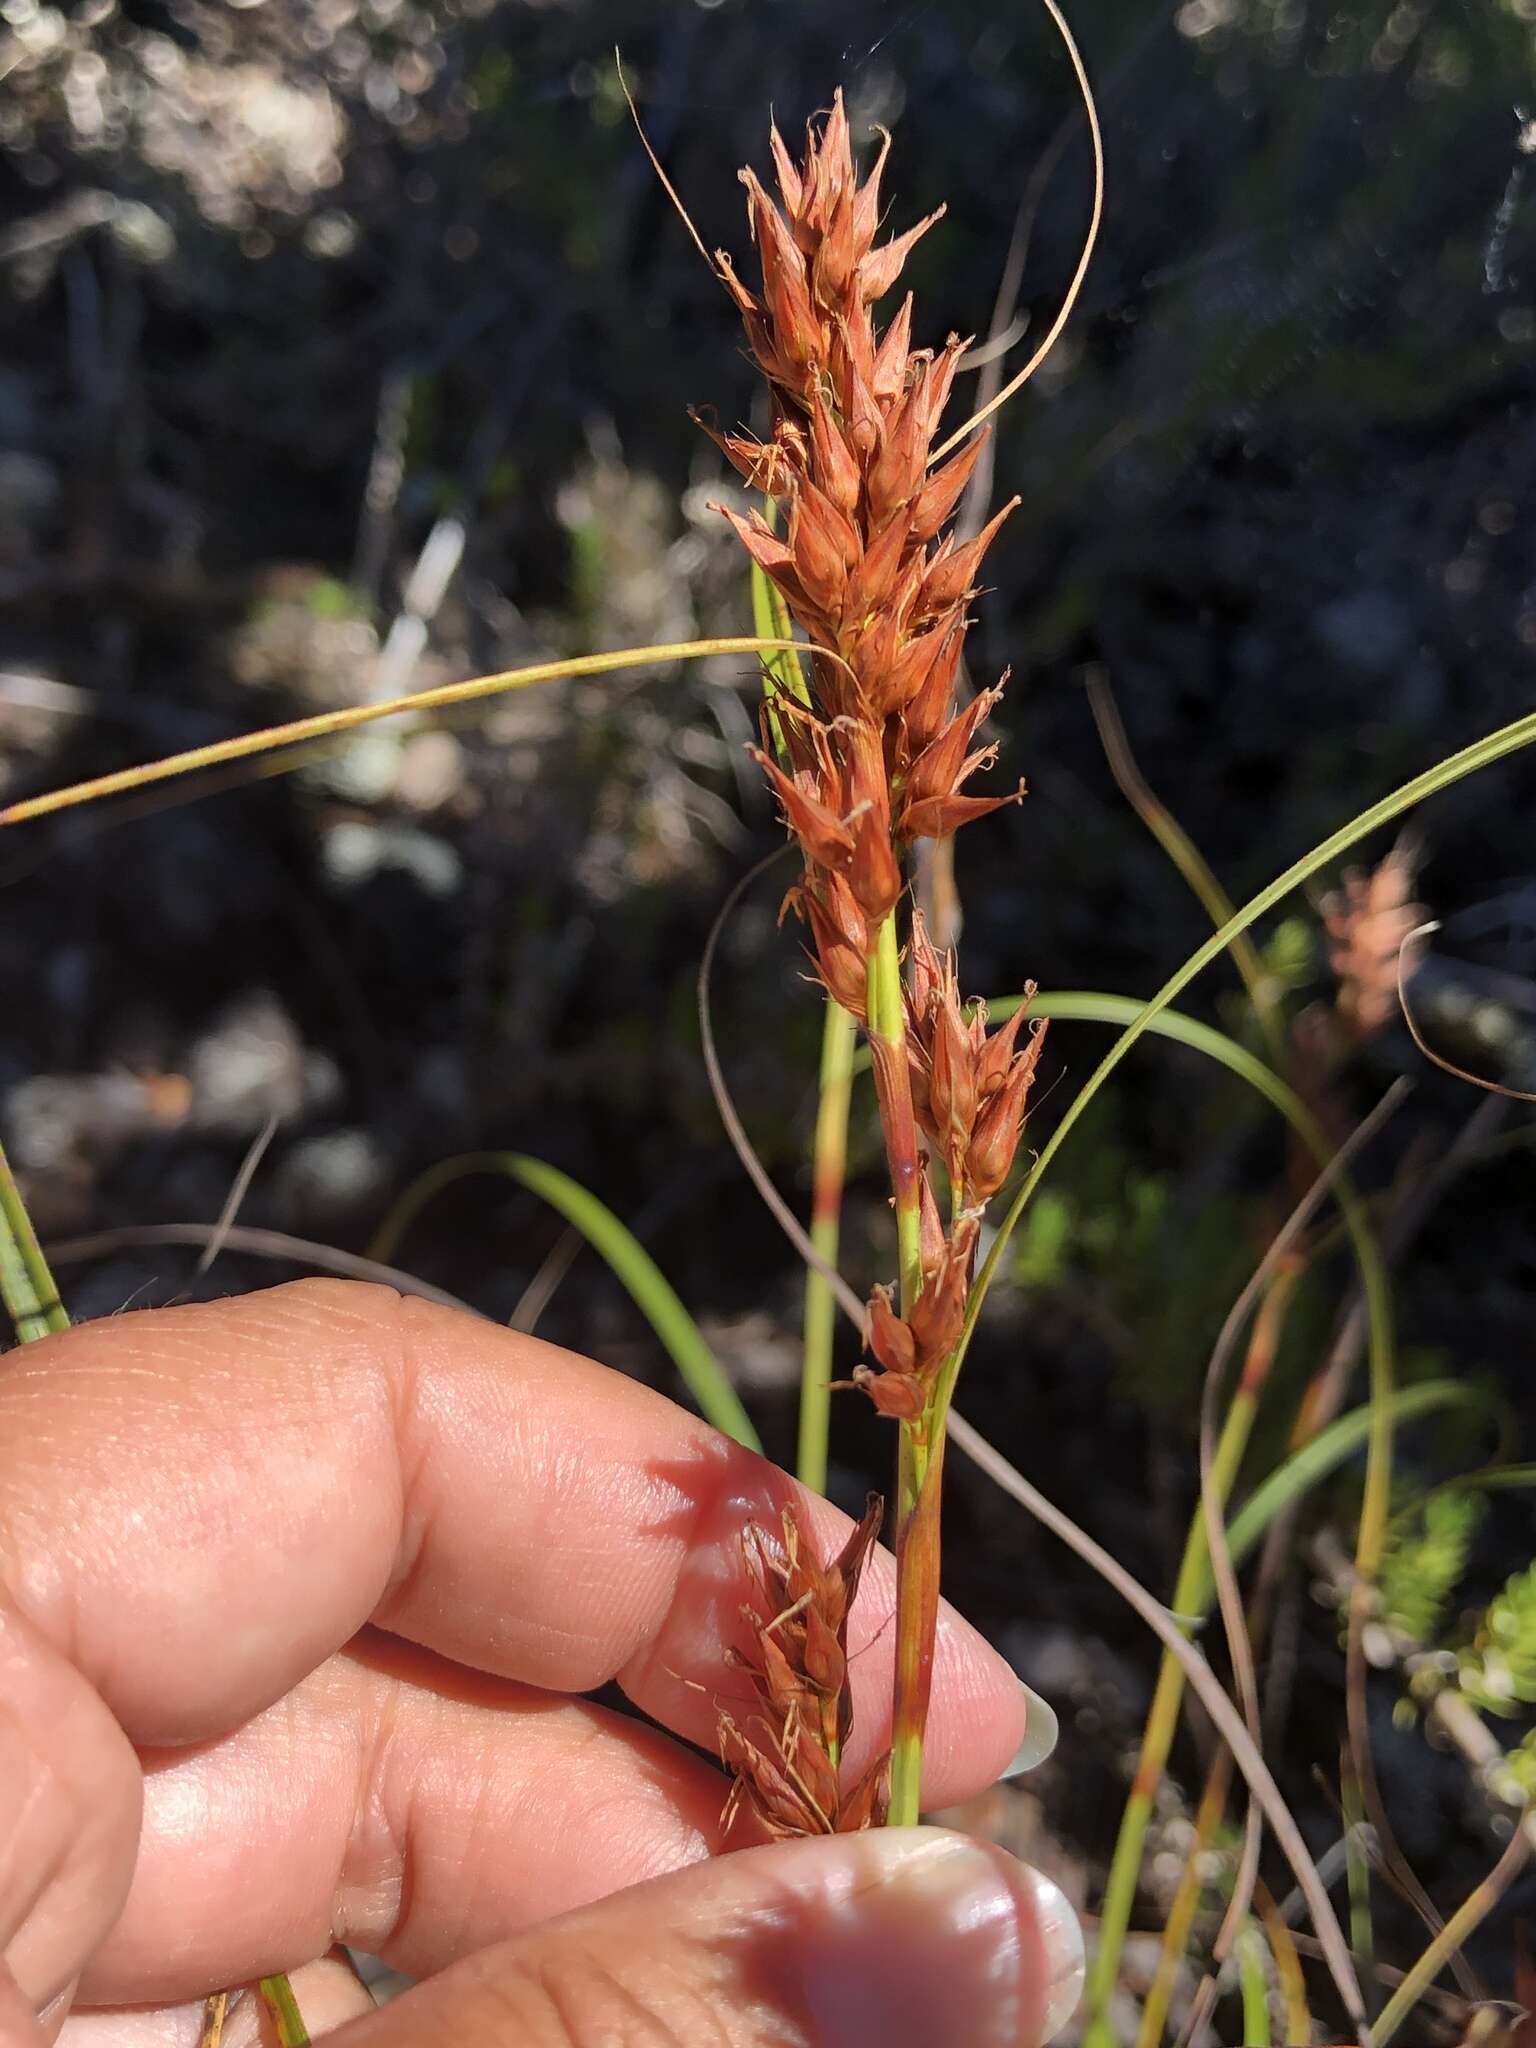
(297,1596)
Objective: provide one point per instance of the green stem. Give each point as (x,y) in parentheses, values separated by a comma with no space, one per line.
(919,1456)
(919,1485)
(1468,1916)
(888,1048)
(1157,1739)
(26,1285)
(1254,1980)
(828,1170)
(1362,1937)
(277,1996)
(1181,1914)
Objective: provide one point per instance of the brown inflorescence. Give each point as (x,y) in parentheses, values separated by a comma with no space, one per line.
(1367,921)
(882,753)
(969,1091)
(785,1755)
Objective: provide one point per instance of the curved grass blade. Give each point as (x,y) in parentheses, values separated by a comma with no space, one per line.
(1482,753)
(1325,1453)
(627,1259)
(324,723)
(1190,862)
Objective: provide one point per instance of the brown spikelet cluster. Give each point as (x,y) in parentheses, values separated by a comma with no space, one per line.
(969,1092)
(881,755)
(1367,920)
(785,1756)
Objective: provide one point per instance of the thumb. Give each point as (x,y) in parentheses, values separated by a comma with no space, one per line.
(906,1936)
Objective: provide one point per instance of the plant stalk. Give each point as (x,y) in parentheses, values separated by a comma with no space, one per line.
(919,1483)
(919,1455)
(1181,1914)
(888,1050)
(1191,1595)
(26,1285)
(283,2010)
(828,1170)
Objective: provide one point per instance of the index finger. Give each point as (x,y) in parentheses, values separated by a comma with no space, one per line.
(198,1505)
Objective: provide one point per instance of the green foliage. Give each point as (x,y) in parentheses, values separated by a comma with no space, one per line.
(1518,1772)
(1166,1269)
(1424,1560)
(1044,1242)
(1497,1670)
(1290,956)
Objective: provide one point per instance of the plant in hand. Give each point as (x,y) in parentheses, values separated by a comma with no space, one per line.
(880,756)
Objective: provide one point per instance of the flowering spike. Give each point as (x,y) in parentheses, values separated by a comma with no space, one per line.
(890,1339)
(820,830)
(789,178)
(881,267)
(866,212)
(941,493)
(996,1137)
(891,358)
(899,1395)
(952,577)
(784,1760)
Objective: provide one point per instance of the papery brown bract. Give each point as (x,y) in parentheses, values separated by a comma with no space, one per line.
(784,1759)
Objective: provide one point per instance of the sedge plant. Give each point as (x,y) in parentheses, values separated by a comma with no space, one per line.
(882,756)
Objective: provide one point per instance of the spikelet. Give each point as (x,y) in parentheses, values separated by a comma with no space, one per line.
(784,1756)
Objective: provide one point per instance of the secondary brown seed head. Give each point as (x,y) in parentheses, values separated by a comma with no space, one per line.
(785,1756)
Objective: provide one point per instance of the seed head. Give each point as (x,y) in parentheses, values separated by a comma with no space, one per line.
(785,1757)
(863,560)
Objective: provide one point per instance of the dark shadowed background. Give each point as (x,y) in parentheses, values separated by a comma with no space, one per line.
(347,349)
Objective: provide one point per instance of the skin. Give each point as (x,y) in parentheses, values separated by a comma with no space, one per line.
(298,1596)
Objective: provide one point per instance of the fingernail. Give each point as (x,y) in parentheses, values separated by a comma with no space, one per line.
(1061,1941)
(925,1936)
(1041,1729)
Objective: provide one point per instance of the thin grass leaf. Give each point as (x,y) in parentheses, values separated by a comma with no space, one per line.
(1357,1867)
(623,1253)
(1053,332)
(1292,1978)
(324,723)
(1325,1453)
(1469,1915)
(1228,1722)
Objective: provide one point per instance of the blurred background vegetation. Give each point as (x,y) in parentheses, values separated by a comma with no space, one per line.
(347,346)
